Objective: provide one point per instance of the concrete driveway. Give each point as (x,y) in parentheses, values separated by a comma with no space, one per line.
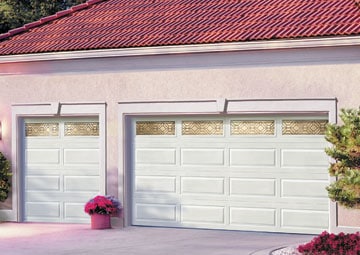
(61,239)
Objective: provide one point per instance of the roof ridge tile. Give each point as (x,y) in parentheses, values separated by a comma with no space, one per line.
(91,2)
(79,7)
(63,13)
(5,35)
(32,24)
(17,30)
(48,18)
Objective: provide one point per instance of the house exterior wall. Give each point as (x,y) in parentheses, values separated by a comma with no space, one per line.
(307,73)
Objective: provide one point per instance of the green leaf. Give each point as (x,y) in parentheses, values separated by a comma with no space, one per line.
(345,151)
(5,177)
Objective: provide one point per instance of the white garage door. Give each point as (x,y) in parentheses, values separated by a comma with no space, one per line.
(61,168)
(235,173)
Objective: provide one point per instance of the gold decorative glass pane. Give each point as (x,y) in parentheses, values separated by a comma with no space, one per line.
(155,128)
(304,127)
(41,129)
(202,127)
(81,129)
(252,127)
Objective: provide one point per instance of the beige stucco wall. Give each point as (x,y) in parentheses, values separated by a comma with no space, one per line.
(312,78)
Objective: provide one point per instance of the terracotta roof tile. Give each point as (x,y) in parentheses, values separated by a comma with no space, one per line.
(101,24)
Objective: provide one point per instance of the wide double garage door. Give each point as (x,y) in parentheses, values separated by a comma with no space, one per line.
(264,173)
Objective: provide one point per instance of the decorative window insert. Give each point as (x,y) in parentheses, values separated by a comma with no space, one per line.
(203,127)
(81,129)
(155,128)
(304,127)
(252,127)
(41,129)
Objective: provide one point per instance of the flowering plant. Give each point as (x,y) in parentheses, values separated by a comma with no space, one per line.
(331,244)
(102,205)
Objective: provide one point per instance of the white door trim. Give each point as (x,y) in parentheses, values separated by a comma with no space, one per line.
(55,109)
(127,110)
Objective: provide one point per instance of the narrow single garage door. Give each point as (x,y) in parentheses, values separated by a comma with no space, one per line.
(61,168)
(236,173)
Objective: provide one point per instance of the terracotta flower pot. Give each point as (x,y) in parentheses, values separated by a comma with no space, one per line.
(100,221)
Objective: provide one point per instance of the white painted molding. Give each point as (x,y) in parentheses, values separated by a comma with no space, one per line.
(46,109)
(165,107)
(183,49)
(222,105)
(7,215)
(191,61)
(316,105)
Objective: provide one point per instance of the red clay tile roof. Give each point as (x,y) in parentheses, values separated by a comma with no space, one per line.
(104,24)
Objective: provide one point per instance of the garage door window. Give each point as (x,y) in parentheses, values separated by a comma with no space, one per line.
(203,127)
(155,128)
(252,127)
(303,127)
(41,129)
(81,128)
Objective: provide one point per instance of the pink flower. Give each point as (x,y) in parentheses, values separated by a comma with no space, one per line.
(331,244)
(102,205)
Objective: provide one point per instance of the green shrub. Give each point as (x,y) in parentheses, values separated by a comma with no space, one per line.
(5,177)
(346,154)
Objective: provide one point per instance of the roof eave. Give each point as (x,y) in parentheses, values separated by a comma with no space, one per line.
(186,49)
